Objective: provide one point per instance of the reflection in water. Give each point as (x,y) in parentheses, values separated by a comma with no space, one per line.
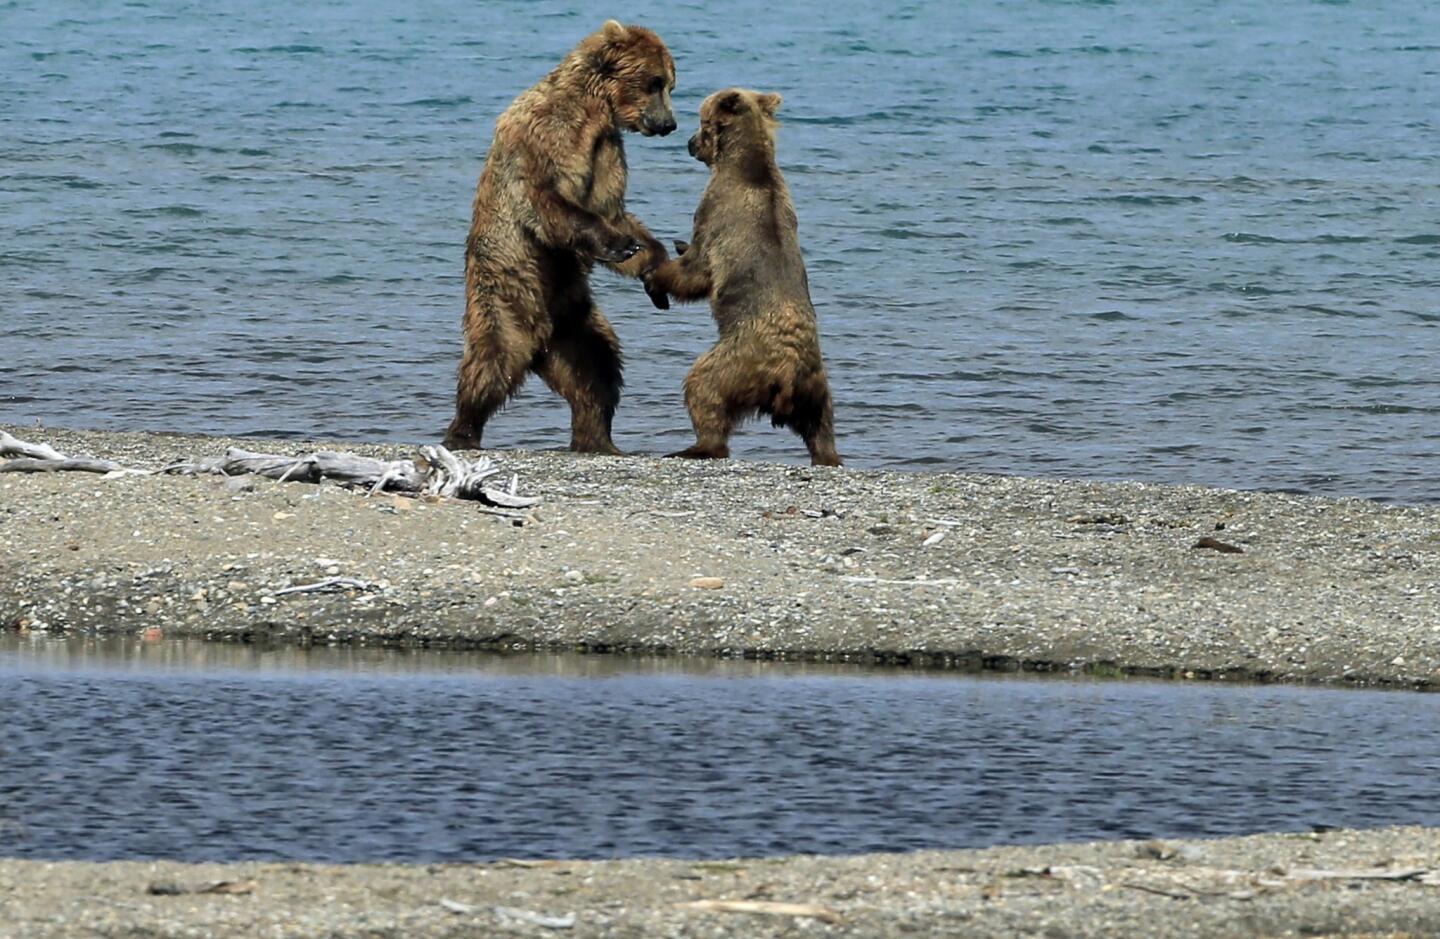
(113,749)
(119,652)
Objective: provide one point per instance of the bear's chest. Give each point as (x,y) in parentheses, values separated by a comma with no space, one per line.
(605,193)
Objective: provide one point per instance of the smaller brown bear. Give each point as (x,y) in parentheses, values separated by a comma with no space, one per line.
(744,255)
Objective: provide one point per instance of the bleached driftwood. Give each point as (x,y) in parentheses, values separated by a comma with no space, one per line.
(436,472)
(344,468)
(61,465)
(42,458)
(237,462)
(14,446)
(449,475)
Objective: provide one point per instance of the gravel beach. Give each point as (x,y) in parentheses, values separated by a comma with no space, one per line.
(1339,883)
(740,559)
(735,559)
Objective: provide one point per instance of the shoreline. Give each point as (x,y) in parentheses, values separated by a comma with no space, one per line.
(735,559)
(1383,882)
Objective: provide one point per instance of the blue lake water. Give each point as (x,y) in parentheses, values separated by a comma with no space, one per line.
(1170,241)
(123,750)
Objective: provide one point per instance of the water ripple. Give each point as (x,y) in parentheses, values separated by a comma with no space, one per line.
(1081,214)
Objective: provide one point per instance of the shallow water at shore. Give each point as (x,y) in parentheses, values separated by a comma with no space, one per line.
(117,749)
(1180,243)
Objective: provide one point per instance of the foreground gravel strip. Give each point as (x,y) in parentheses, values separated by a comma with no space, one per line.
(1267,885)
(733,558)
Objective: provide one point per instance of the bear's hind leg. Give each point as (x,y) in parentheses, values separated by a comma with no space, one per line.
(714,403)
(821,442)
(582,364)
(490,372)
(812,417)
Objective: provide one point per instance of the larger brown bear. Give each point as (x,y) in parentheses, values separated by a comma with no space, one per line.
(549,204)
(745,257)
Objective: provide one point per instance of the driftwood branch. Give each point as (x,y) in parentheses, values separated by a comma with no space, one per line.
(435,472)
(448,475)
(42,458)
(61,465)
(14,446)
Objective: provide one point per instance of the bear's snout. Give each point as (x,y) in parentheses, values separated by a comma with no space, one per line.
(694,146)
(660,127)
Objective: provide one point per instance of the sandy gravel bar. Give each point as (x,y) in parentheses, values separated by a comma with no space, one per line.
(736,558)
(1347,883)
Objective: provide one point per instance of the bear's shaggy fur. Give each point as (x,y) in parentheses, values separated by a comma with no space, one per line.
(549,204)
(744,255)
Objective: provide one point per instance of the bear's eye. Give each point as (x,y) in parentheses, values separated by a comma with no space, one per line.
(656,84)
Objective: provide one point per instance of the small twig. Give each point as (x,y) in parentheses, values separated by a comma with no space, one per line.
(764,907)
(96,898)
(1157,890)
(124,471)
(938,582)
(455,906)
(516,914)
(1396,873)
(331,583)
(502,513)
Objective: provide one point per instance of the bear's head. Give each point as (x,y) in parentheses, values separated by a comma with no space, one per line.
(735,123)
(631,69)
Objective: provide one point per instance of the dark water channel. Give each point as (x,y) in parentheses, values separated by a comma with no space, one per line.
(191,751)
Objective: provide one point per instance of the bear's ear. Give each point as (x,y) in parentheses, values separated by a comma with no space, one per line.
(732,102)
(614,31)
(769,102)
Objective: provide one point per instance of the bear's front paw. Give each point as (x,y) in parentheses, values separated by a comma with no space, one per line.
(658,296)
(620,251)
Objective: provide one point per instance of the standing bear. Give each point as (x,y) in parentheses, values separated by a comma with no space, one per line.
(549,204)
(744,255)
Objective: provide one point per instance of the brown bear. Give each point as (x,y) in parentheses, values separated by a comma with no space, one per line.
(549,204)
(744,255)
